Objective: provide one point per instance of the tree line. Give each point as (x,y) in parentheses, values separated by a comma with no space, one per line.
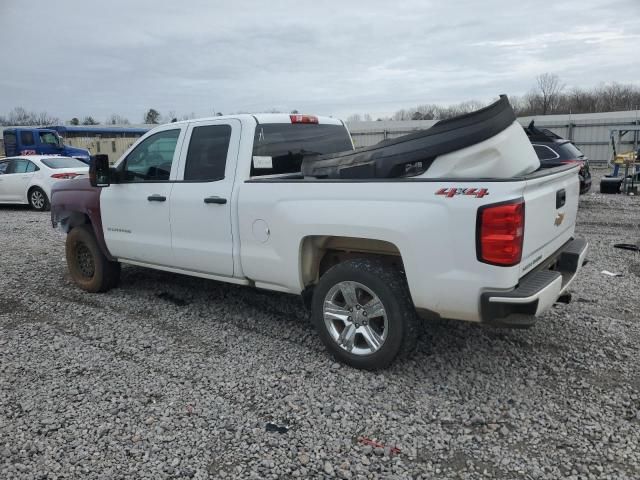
(20,117)
(549,96)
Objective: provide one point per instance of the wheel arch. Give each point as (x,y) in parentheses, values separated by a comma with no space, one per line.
(71,207)
(318,253)
(37,185)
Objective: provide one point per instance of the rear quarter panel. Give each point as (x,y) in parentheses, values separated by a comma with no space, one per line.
(434,233)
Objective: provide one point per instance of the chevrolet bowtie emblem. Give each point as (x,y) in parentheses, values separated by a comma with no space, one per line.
(559,219)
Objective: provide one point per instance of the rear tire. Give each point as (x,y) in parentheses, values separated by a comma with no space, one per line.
(38,199)
(341,300)
(88,266)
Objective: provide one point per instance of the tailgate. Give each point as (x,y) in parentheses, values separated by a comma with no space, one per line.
(551,207)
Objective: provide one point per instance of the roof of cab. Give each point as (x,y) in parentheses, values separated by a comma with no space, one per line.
(260,118)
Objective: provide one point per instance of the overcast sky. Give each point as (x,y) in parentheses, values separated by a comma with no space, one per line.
(76,58)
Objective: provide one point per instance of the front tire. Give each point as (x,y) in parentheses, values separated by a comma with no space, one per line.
(38,199)
(88,266)
(364,315)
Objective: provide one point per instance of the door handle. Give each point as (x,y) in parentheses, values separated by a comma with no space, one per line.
(156,198)
(218,200)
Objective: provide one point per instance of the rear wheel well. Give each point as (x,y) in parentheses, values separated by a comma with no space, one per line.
(319,253)
(35,187)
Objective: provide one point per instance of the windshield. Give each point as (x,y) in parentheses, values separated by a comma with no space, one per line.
(63,162)
(282,146)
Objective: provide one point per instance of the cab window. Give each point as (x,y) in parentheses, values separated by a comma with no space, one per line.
(49,138)
(151,160)
(27,138)
(3,167)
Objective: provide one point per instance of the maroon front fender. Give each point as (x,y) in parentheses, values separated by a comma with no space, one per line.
(73,202)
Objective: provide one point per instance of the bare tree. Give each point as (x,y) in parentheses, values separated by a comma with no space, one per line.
(116,119)
(549,89)
(90,121)
(43,118)
(354,118)
(545,98)
(20,117)
(368,117)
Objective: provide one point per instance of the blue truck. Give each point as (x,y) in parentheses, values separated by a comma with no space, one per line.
(39,141)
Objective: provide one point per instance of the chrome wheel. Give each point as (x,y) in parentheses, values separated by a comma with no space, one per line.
(85,260)
(355,318)
(37,199)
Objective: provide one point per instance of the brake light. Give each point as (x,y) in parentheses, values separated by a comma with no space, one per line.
(303,119)
(567,162)
(65,176)
(500,233)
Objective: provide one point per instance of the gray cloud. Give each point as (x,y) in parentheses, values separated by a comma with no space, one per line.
(87,58)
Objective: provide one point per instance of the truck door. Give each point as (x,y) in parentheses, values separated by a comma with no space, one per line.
(201,206)
(135,211)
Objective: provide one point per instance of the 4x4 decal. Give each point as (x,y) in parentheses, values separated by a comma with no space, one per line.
(473,192)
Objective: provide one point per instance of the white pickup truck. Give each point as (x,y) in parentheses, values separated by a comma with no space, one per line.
(225,199)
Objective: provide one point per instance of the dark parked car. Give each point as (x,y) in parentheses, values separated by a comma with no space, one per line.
(553,150)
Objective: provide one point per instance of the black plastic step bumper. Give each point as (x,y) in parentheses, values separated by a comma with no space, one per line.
(537,291)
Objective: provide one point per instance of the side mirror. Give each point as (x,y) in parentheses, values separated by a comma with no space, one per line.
(99,171)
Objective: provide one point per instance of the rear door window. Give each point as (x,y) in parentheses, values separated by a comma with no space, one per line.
(19,166)
(207,153)
(4,167)
(282,146)
(545,153)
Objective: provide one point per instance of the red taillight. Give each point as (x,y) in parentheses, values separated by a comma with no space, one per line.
(567,162)
(303,119)
(500,232)
(65,176)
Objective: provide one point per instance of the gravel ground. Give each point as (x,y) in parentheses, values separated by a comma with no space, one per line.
(169,376)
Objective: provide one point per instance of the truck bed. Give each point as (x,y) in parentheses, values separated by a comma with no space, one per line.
(487,142)
(431,221)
